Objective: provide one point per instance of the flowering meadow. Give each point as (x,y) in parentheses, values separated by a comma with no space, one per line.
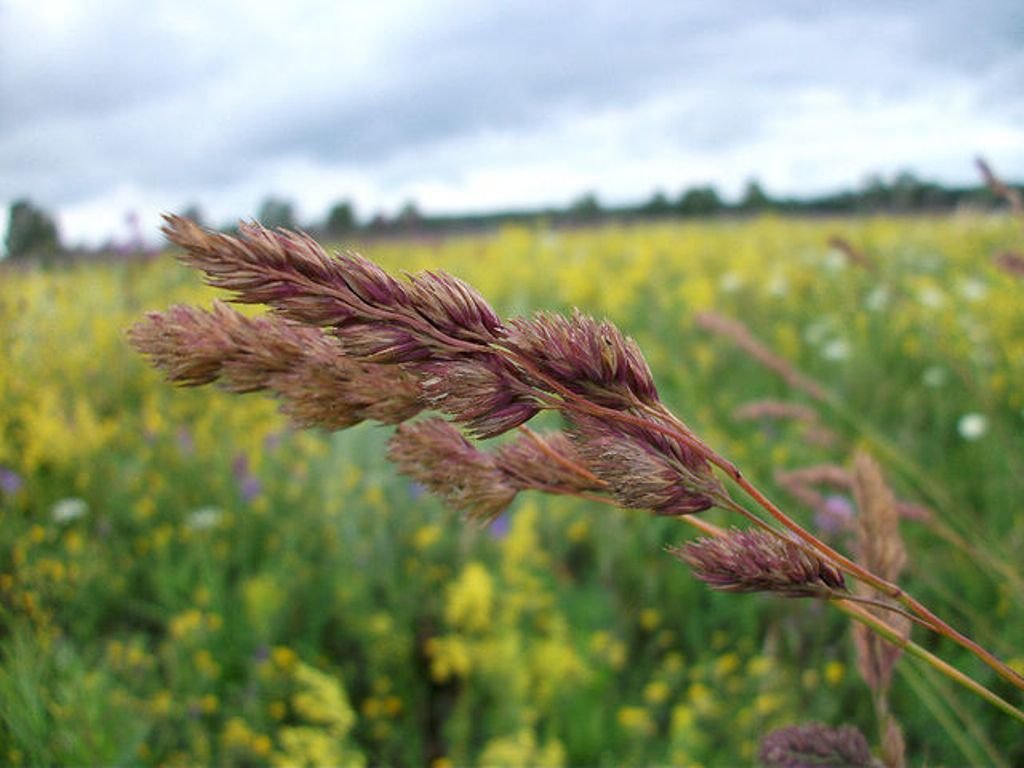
(187,579)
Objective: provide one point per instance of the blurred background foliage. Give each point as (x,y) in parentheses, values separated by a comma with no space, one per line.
(184,579)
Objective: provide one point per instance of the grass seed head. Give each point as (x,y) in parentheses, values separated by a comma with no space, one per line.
(434,453)
(547,462)
(757,561)
(880,548)
(381,318)
(317,383)
(814,744)
(1011,262)
(479,392)
(593,359)
(644,469)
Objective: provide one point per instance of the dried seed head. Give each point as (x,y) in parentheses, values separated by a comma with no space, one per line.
(583,355)
(645,470)
(878,522)
(188,345)
(435,453)
(776,410)
(894,747)
(1000,188)
(814,745)
(1011,262)
(880,549)
(264,267)
(453,306)
(546,462)
(379,317)
(757,561)
(755,349)
(853,255)
(317,384)
(337,393)
(479,392)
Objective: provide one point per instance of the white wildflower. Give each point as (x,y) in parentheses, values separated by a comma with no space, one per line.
(973,289)
(204,518)
(972,426)
(835,261)
(69,510)
(934,376)
(877,299)
(730,282)
(837,349)
(932,297)
(817,332)
(778,286)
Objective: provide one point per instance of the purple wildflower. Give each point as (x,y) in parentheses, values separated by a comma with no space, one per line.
(249,486)
(10,481)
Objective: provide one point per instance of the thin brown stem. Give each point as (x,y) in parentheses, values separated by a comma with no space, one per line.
(739,509)
(885,630)
(884,606)
(701,525)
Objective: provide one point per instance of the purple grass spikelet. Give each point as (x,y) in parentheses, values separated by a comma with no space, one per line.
(644,469)
(813,745)
(593,359)
(381,318)
(435,454)
(546,462)
(754,560)
(480,393)
(317,383)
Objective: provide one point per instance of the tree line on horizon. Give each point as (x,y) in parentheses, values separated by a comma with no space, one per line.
(33,232)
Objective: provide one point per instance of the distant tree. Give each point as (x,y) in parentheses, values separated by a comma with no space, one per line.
(658,205)
(31,231)
(903,191)
(409,214)
(194,213)
(341,219)
(586,207)
(700,201)
(909,193)
(378,222)
(276,212)
(754,198)
(875,194)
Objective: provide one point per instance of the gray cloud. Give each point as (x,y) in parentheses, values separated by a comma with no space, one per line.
(182,104)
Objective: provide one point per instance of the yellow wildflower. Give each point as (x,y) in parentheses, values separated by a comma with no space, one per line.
(322,699)
(636,720)
(726,664)
(650,619)
(284,658)
(656,692)
(426,536)
(835,671)
(470,599)
(578,531)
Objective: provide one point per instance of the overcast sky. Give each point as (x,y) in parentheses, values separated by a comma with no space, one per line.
(108,106)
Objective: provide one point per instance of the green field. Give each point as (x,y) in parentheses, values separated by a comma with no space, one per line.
(186,580)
